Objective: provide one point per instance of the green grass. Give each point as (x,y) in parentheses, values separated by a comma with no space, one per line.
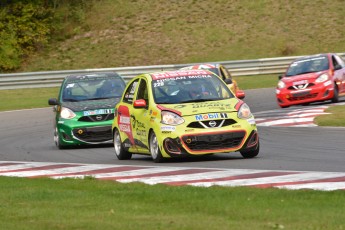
(26,98)
(43,203)
(140,33)
(335,118)
(257,81)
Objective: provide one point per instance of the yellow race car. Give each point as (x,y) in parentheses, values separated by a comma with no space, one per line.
(182,113)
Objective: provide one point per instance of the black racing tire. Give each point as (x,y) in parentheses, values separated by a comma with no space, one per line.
(335,97)
(251,153)
(57,139)
(156,153)
(120,152)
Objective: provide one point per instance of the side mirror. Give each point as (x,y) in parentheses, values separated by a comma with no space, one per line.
(53,101)
(280,77)
(141,103)
(240,94)
(228,81)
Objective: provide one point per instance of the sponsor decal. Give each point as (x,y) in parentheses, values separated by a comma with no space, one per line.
(306,60)
(179,106)
(208,116)
(180,73)
(236,126)
(153,113)
(223,115)
(211,105)
(137,124)
(125,120)
(124,128)
(300,82)
(140,132)
(168,128)
(98,111)
(70,85)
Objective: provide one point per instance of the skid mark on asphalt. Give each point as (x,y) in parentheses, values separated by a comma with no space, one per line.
(179,176)
(290,117)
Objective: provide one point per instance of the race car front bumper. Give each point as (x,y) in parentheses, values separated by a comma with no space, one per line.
(319,92)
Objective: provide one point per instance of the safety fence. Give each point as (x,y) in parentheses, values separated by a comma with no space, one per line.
(54,78)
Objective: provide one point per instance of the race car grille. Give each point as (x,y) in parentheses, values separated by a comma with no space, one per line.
(99,117)
(214,141)
(302,86)
(211,124)
(302,96)
(93,134)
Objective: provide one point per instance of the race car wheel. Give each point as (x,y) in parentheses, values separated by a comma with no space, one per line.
(120,152)
(154,149)
(57,139)
(335,98)
(251,152)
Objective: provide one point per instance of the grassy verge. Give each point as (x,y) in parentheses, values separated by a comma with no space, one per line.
(257,81)
(26,98)
(92,204)
(335,118)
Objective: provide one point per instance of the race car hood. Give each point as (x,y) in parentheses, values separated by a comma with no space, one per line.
(187,109)
(308,76)
(91,104)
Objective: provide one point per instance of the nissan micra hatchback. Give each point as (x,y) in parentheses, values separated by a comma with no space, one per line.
(182,113)
(312,79)
(84,110)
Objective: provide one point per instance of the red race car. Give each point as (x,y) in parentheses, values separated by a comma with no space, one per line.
(310,79)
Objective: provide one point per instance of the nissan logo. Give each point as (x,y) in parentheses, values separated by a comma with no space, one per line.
(212,123)
(99,117)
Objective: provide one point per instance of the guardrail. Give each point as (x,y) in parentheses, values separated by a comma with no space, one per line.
(54,78)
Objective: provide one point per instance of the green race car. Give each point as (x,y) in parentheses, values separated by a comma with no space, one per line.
(84,110)
(182,113)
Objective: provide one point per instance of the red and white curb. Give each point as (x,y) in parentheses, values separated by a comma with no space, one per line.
(292,118)
(178,176)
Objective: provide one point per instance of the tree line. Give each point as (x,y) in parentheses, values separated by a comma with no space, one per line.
(28,26)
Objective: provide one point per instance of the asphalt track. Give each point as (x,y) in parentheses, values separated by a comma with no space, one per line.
(27,136)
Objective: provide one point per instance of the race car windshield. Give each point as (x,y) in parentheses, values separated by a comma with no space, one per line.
(96,88)
(308,65)
(193,88)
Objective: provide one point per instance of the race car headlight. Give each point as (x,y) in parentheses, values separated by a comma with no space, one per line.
(170,118)
(322,78)
(66,113)
(244,112)
(281,84)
